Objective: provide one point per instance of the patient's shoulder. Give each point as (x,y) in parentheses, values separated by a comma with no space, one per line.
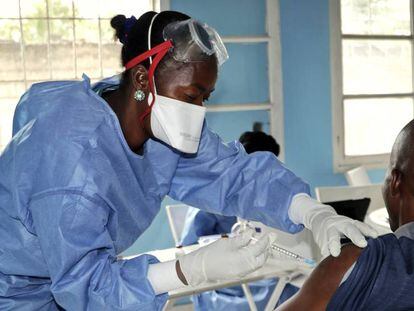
(330,272)
(324,281)
(336,267)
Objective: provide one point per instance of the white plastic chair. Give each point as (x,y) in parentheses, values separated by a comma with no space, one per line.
(358,177)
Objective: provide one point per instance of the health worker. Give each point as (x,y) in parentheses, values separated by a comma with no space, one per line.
(88,167)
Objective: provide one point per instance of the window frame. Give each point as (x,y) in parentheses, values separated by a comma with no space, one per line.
(341,161)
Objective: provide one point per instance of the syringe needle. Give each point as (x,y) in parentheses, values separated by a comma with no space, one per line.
(290,254)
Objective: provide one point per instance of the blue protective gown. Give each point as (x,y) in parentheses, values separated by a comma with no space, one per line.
(200,223)
(73,196)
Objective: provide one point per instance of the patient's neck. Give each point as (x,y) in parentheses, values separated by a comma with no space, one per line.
(406,211)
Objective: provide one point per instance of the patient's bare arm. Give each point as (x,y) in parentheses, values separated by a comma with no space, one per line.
(323,282)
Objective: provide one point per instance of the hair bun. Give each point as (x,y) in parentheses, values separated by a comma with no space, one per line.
(118,23)
(123,26)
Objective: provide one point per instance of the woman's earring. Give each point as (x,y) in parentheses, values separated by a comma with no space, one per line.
(139,95)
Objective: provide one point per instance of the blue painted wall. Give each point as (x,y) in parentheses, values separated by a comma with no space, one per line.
(306,88)
(307,92)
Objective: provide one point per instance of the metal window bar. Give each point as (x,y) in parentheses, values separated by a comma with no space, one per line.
(63,18)
(22,46)
(412,40)
(49,62)
(367,96)
(75,61)
(377,37)
(100,47)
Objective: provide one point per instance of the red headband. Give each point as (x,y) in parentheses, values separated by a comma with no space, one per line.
(160,50)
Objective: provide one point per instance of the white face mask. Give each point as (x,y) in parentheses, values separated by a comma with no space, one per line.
(177,123)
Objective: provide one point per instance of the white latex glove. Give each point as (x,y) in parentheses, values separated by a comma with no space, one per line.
(327,226)
(226,258)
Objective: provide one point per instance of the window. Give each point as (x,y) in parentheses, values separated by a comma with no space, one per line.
(56,39)
(372,78)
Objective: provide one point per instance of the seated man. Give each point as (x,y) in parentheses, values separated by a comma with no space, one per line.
(200,223)
(379,277)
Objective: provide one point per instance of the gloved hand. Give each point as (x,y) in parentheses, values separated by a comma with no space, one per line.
(327,226)
(226,258)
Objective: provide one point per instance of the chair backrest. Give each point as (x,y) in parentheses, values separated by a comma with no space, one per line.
(176,218)
(373,192)
(358,177)
(355,209)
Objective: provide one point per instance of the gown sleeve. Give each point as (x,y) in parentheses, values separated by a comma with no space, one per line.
(224,179)
(81,256)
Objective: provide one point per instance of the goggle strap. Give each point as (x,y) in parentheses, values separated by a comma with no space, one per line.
(140,58)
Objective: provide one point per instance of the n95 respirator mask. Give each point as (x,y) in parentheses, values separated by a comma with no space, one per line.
(176,123)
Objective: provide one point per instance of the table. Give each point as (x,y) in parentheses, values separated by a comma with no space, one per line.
(288,271)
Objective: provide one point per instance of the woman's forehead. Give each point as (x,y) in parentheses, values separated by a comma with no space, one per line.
(202,75)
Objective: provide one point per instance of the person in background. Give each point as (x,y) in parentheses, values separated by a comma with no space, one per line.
(379,277)
(200,223)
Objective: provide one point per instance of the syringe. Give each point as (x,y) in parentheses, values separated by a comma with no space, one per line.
(291,255)
(204,240)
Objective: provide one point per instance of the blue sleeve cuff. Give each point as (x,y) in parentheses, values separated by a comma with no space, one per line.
(135,271)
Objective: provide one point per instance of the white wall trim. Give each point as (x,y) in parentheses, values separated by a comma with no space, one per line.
(238,107)
(336,82)
(245,39)
(163,5)
(275,74)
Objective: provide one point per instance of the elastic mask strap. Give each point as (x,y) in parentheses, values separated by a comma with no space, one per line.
(151,71)
(160,50)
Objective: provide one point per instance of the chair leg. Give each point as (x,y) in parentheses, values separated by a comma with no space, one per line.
(168,305)
(249,297)
(277,292)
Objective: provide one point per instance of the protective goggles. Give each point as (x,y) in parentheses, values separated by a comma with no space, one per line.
(194,42)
